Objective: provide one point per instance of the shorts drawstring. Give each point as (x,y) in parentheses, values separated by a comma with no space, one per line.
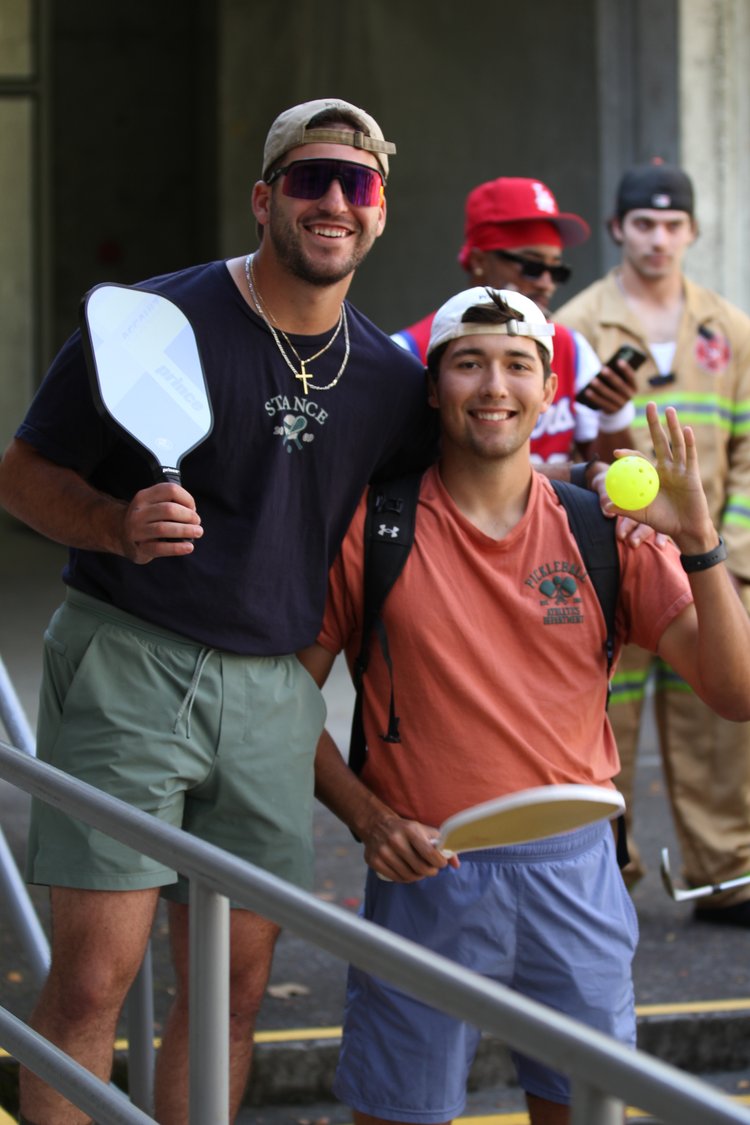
(203,657)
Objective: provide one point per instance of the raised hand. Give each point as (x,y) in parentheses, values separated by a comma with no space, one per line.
(680,508)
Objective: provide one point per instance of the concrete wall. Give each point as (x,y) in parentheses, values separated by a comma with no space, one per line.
(158,111)
(133,129)
(17,212)
(715,115)
(467,95)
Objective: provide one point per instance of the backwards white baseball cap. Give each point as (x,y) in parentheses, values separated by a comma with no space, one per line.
(449,323)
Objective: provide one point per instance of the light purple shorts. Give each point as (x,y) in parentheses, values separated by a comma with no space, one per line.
(550,919)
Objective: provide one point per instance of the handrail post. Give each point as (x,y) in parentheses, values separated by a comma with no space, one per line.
(13,716)
(140,1012)
(15,899)
(209,1006)
(590,1106)
(13,892)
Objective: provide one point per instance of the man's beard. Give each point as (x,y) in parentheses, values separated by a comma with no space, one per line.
(289,252)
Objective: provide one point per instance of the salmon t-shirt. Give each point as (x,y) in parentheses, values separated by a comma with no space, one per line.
(498,653)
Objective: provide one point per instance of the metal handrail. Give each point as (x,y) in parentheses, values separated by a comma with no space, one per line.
(14,897)
(13,893)
(604,1073)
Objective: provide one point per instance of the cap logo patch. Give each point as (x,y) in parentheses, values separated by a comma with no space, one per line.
(661,199)
(544,199)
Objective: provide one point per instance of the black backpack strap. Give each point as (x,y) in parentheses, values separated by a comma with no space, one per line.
(388,537)
(595,535)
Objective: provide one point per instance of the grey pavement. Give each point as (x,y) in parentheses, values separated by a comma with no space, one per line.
(692,980)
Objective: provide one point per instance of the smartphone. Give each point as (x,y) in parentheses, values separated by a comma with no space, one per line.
(629,354)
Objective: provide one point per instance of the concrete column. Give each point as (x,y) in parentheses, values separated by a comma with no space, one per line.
(714,98)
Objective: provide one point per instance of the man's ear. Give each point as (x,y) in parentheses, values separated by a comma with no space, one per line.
(615,230)
(475,265)
(261,202)
(383,207)
(550,390)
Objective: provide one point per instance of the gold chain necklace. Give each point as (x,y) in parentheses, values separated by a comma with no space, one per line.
(302,374)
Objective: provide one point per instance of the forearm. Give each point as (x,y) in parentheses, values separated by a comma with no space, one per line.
(59,503)
(341,791)
(398,849)
(606,444)
(159,521)
(715,663)
(723,646)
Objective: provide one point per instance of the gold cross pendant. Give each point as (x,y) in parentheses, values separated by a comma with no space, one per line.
(302,374)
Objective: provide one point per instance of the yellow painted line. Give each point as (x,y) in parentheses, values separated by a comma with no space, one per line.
(497,1119)
(302,1033)
(693,1007)
(5,1118)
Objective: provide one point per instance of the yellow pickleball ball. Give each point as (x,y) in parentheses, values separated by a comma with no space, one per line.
(632,483)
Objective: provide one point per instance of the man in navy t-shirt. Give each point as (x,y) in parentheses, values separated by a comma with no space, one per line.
(169,676)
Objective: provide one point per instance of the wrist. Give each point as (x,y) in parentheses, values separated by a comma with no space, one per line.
(620,420)
(109,516)
(583,472)
(694,559)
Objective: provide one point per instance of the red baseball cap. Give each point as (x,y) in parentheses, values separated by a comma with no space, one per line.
(512,211)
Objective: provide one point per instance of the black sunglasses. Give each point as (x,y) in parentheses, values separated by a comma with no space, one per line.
(310,179)
(533,268)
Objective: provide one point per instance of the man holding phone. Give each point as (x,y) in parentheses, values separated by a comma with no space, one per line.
(604,382)
(514,237)
(696,355)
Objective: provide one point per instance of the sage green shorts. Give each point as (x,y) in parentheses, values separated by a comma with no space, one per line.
(218,744)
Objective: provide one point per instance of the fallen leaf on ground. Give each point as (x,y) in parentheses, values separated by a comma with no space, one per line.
(287,990)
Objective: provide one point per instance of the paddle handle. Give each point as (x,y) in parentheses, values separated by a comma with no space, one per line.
(172,475)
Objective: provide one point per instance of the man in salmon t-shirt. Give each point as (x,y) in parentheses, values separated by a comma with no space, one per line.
(492,701)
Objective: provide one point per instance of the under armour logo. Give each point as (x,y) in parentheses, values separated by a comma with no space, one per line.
(385,530)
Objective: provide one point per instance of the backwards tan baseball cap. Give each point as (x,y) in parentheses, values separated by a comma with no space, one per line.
(296,126)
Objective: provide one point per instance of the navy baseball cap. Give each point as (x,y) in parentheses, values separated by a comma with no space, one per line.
(658,186)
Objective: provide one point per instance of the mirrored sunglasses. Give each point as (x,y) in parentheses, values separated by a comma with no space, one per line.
(310,179)
(533,268)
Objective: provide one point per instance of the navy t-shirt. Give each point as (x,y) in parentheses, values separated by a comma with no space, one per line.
(276,483)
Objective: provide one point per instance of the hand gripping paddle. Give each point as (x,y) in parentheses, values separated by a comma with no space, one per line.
(530,814)
(146,373)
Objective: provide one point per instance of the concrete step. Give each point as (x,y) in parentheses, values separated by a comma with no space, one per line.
(699,1038)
